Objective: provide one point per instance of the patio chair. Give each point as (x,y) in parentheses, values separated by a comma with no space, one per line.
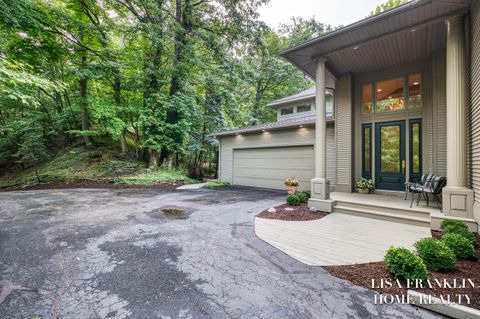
(432,186)
(422,181)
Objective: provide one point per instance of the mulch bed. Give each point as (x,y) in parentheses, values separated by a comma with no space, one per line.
(362,275)
(299,213)
(160,186)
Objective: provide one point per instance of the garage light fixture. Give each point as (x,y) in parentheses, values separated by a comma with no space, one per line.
(300,126)
(413,30)
(264,130)
(355,48)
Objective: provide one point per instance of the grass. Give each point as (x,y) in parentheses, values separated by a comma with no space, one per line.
(216,184)
(102,165)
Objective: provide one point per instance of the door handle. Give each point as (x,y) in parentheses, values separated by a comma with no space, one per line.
(403,167)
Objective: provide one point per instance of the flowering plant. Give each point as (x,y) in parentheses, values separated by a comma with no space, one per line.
(291,182)
(365,184)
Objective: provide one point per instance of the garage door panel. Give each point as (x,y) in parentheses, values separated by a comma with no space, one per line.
(268,167)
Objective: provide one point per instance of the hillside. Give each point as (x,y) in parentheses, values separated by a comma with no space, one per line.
(103,165)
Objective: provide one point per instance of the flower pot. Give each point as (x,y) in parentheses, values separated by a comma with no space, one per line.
(363,191)
(291,190)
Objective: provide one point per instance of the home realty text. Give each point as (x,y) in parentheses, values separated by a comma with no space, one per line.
(386,283)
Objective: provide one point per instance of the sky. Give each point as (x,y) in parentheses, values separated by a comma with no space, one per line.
(333,12)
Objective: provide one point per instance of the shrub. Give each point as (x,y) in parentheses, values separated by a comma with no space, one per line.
(460,245)
(404,264)
(302,197)
(307,193)
(293,200)
(457,227)
(435,254)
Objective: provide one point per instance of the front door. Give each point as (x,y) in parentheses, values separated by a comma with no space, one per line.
(390,155)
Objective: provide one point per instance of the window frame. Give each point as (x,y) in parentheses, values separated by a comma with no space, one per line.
(305,105)
(286,108)
(406,94)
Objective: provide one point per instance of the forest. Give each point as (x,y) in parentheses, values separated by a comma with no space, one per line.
(149,78)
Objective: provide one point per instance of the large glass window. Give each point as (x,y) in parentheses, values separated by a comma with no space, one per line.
(414,91)
(367,98)
(286,111)
(389,95)
(304,108)
(390,149)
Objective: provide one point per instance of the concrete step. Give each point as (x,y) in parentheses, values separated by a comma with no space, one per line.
(389,208)
(383,215)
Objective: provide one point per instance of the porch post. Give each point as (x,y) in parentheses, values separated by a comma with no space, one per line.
(320,185)
(457,197)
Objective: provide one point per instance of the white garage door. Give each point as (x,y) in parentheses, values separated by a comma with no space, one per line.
(269,167)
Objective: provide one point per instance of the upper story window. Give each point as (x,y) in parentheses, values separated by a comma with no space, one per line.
(286,111)
(414,91)
(304,108)
(391,94)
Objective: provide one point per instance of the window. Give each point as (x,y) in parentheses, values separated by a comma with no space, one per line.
(304,108)
(286,111)
(415,150)
(414,91)
(367,151)
(367,98)
(389,95)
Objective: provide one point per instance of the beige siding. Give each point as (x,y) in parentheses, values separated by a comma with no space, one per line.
(474,113)
(282,138)
(439,114)
(343,133)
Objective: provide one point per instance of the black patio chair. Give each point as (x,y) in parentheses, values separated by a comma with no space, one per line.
(422,181)
(432,186)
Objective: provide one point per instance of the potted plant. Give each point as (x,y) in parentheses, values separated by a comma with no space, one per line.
(291,184)
(364,186)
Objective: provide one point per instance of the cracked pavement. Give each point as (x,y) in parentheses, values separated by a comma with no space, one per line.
(97,253)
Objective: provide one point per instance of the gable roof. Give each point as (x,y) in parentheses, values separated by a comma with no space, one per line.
(281,124)
(305,95)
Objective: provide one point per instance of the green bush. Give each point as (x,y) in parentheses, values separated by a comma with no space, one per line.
(460,245)
(302,197)
(293,200)
(404,264)
(454,226)
(435,254)
(307,193)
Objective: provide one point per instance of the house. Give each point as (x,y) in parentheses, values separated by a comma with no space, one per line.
(405,89)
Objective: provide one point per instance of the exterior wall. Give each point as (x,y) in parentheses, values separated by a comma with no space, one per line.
(439,86)
(277,138)
(344,132)
(474,114)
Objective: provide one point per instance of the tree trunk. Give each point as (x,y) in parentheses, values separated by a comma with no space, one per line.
(83,83)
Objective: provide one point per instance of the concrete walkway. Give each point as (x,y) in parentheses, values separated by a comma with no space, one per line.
(338,239)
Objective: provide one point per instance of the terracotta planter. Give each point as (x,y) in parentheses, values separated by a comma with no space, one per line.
(363,191)
(291,190)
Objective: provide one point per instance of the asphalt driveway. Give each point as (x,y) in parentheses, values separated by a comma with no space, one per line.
(114,254)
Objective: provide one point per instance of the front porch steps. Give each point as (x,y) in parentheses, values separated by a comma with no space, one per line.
(419,217)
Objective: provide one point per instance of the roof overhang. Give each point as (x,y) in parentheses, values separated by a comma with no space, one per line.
(406,34)
(304,96)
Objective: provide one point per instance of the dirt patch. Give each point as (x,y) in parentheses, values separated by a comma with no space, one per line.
(175,213)
(161,186)
(292,213)
(362,275)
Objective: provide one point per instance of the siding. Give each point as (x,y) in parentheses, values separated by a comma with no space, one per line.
(474,114)
(439,87)
(280,138)
(343,133)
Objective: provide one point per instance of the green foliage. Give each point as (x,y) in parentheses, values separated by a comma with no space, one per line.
(435,254)
(216,184)
(457,227)
(303,196)
(390,4)
(404,264)
(161,175)
(293,200)
(460,246)
(365,184)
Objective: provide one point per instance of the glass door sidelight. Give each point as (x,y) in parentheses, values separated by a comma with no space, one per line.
(415,149)
(367,150)
(390,165)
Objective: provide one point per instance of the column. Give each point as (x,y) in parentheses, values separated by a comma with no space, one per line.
(320,185)
(457,198)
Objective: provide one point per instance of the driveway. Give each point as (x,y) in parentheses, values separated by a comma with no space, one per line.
(114,254)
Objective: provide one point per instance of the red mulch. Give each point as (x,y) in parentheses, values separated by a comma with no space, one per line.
(160,186)
(362,275)
(300,213)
